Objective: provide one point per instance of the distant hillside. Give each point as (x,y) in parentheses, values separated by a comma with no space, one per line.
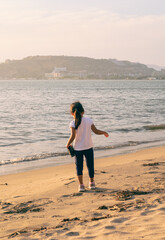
(156,67)
(36,67)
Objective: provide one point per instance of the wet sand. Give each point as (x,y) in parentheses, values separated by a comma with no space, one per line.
(128,203)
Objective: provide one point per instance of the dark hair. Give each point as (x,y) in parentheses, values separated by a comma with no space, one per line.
(78,109)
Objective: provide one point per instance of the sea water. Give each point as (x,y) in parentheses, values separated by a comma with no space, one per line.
(35,117)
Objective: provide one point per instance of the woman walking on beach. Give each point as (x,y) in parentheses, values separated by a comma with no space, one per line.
(81,135)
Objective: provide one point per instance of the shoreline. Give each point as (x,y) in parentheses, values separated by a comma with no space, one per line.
(25,166)
(128,203)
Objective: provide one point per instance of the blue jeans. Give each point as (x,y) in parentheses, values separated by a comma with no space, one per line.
(79,157)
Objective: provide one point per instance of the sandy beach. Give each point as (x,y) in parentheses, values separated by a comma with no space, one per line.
(128,203)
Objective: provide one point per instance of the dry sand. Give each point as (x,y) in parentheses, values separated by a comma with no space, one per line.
(128,203)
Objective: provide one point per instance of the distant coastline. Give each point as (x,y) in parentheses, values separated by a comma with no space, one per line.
(68,67)
(78,79)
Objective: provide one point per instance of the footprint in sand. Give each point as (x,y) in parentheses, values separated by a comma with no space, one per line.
(120,220)
(69,182)
(103,183)
(17,196)
(151,164)
(146,212)
(162,209)
(72,195)
(153,172)
(72,234)
(30,206)
(96,214)
(110,227)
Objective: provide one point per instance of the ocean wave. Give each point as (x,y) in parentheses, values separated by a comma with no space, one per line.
(32,158)
(155,127)
(10,144)
(127,144)
(149,127)
(42,156)
(125,130)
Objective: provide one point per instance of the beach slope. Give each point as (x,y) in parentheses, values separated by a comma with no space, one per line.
(128,203)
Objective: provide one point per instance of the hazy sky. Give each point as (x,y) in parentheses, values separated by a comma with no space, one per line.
(123,29)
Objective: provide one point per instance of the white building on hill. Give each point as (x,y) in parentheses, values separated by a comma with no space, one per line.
(61,72)
(56,73)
